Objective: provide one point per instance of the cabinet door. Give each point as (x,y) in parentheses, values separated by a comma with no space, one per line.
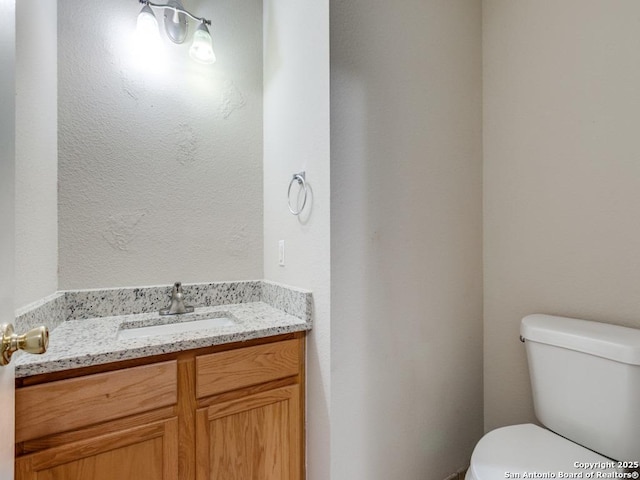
(148,452)
(252,438)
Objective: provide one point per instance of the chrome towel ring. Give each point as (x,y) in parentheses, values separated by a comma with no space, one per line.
(300,178)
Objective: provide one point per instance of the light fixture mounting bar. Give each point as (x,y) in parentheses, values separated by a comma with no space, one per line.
(175,9)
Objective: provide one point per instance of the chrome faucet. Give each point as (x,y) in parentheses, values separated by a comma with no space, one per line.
(177,302)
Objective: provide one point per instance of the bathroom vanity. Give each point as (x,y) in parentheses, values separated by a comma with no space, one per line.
(214,404)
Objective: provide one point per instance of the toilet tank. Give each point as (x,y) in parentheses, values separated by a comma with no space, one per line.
(585,378)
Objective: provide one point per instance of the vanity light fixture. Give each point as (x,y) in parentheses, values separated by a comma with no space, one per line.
(175,26)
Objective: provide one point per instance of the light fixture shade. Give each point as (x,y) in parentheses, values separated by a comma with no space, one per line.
(175,22)
(147,26)
(202,47)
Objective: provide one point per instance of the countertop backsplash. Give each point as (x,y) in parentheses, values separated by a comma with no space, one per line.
(49,311)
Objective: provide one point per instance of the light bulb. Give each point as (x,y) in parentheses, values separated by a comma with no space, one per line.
(147,27)
(202,47)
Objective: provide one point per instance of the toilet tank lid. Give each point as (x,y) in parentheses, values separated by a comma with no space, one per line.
(614,342)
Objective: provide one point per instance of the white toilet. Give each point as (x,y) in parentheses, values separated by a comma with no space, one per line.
(585,378)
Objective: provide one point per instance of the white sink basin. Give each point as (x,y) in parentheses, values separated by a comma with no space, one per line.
(173,328)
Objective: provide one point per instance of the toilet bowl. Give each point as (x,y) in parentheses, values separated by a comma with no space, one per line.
(585,379)
(512,452)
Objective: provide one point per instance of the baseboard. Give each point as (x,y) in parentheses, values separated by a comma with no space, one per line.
(459,475)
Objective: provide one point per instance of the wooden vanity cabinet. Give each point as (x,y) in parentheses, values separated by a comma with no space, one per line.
(257,435)
(144,452)
(250,438)
(226,412)
(109,425)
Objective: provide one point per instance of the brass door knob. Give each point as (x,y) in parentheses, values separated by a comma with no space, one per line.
(35,340)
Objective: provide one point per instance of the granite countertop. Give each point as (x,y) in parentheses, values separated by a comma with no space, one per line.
(83,342)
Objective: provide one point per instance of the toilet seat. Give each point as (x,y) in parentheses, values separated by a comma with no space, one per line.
(528,448)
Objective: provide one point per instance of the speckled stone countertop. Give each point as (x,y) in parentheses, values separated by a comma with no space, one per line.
(260,309)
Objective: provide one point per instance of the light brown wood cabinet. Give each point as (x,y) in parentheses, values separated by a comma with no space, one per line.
(250,438)
(144,452)
(230,412)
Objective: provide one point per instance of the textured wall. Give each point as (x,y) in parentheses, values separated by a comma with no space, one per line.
(562,177)
(160,162)
(406,231)
(36,151)
(296,137)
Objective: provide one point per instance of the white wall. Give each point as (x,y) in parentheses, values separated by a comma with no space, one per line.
(36,151)
(406,226)
(160,158)
(562,176)
(296,138)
